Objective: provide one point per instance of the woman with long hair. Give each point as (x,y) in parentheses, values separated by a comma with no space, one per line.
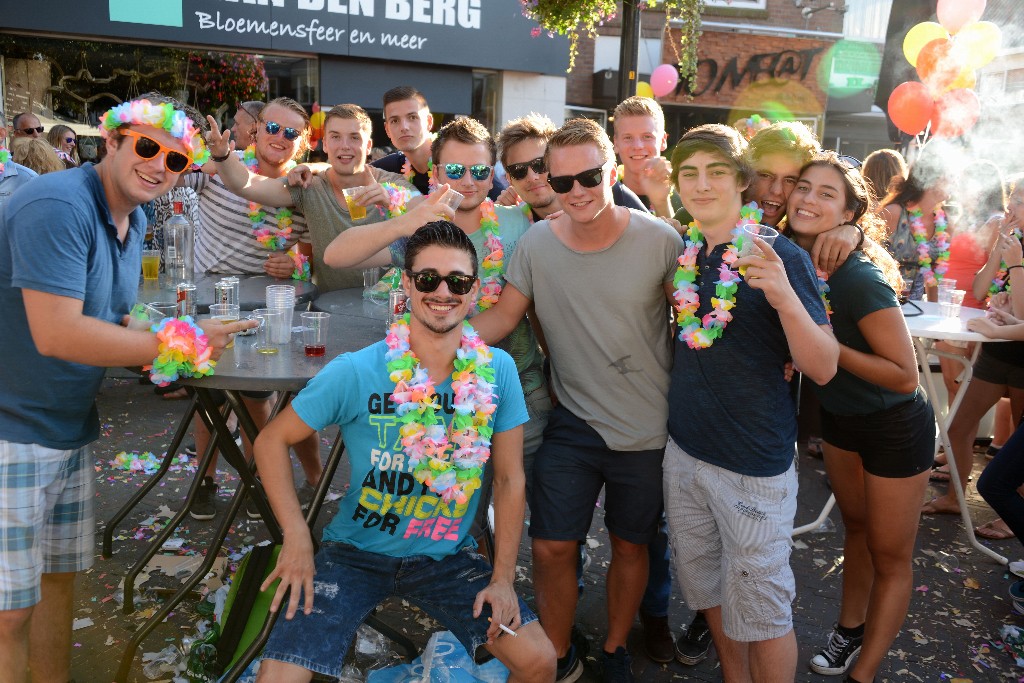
(64,141)
(880,168)
(877,426)
(36,154)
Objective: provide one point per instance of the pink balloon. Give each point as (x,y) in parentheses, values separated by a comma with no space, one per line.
(955,113)
(955,14)
(664,79)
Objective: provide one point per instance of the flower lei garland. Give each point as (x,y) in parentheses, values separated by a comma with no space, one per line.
(183,351)
(409,172)
(398,200)
(492,265)
(931,274)
(823,291)
(1001,281)
(696,332)
(165,116)
(274,237)
(5,156)
(450,465)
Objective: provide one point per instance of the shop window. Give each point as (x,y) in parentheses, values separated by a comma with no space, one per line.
(485,98)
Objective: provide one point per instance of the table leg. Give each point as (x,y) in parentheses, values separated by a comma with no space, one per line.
(924,348)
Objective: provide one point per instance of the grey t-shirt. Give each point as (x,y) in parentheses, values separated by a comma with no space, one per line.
(606,321)
(327,218)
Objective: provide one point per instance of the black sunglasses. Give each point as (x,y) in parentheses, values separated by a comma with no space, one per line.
(590,178)
(273,127)
(456,171)
(29,131)
(147,148)
(427,281)
(518,171)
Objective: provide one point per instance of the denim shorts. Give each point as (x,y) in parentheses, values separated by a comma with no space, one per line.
(730,538)
(894,443)
(350,583)
(570,468)
(46,517)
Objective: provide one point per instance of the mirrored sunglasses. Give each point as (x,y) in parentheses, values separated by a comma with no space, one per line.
(273,127)
(477,171)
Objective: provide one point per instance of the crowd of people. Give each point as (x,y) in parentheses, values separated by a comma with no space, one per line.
(577,324)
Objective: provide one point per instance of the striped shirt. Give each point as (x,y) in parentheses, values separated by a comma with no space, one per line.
(224,237)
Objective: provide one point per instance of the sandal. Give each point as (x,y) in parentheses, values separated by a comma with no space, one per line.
(930,508)
(941,475)
(996,530)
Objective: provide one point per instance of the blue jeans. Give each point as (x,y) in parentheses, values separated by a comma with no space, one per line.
(659,578)
(998,483)
(350,583)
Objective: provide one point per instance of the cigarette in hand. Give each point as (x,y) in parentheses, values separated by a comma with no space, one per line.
(504,628)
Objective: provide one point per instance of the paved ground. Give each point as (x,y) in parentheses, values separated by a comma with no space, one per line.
(952,630)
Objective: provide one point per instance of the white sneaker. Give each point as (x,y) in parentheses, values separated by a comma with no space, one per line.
(1017,568)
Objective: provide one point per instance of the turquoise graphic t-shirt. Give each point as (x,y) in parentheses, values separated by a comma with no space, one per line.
(386,511)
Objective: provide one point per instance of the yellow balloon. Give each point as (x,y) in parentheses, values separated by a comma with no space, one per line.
(317,119)
(967,79)
(643,89)
(979,42)
(919,36)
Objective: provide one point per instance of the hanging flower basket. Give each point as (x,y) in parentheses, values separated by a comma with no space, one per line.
(575,18)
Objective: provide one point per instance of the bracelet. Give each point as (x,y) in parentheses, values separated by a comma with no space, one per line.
(183,351)
(860,242)
(220,158)
(301,262)
(1012,267)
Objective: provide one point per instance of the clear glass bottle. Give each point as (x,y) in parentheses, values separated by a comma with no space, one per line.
(178,245)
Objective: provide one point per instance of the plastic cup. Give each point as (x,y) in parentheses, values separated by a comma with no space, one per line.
(951,308)
(150,264)
(371,276)
(453,199)
(269,319)
(314,332)
(143,316)
(765,232)
(223,314)
(946,288)
(356,211)
(282,297)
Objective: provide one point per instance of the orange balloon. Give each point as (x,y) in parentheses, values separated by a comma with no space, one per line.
(910,107)
(955,113)
(919,36)
(939,64)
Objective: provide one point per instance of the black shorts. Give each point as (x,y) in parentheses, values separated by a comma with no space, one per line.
(990,369)
(571,466)
(895,443)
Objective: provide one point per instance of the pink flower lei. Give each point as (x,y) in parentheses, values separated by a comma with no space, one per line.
(165,116)
(451,465)
(274,237)
(492,266)
(700,333)
(930,274)
(409,172)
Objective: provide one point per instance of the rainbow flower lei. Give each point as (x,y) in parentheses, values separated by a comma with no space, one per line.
(5,156)
(492,265)
(165,116)
(941,239)
(823,291)
(450,465)
(183,351)
(1001,282)
(696,332)
(398,200)
(274,237)
(409,172)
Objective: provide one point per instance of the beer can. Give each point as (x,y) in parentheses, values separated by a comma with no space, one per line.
(396,305)
(234,283)
(186,299)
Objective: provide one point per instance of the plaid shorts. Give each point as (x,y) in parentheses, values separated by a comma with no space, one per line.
(47,521)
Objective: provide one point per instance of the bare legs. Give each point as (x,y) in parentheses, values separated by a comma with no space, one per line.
(881,519)
(40,636)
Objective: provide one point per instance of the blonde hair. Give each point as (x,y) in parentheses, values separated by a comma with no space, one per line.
(350,112)
(639,106)
(37,154)
(784,137)
(576,132)
(533,126)
(466,130)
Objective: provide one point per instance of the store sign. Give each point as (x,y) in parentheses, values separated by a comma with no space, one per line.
(467,33)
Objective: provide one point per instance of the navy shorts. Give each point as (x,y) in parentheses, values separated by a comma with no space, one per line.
(350,583)
(572,465)
(895,443)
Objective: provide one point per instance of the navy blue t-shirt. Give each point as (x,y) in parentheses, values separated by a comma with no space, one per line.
(57,236)
(396,160)
(729,404)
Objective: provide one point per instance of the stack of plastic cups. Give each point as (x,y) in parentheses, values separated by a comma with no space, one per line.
(282,297)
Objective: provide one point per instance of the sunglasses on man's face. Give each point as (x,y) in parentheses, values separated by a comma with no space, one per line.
(477,171)
(562,184)
(147,148)
(518,171)
(273,127)
(29,131)
(427,281)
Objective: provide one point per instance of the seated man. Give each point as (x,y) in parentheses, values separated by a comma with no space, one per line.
(403,528)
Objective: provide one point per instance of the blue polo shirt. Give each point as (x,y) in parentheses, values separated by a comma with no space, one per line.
(13,176)
(729,404)
(57,236)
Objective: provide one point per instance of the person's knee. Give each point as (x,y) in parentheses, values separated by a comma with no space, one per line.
(553,552)
(14,625)
(624,550)
(536,666)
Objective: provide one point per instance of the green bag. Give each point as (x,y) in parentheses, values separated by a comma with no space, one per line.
(246,607)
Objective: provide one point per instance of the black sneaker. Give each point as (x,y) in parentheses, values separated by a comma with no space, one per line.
(837,655)
(617,666)
(190,448)
(693,646)
(204,505)
(569,668)
(251,511)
